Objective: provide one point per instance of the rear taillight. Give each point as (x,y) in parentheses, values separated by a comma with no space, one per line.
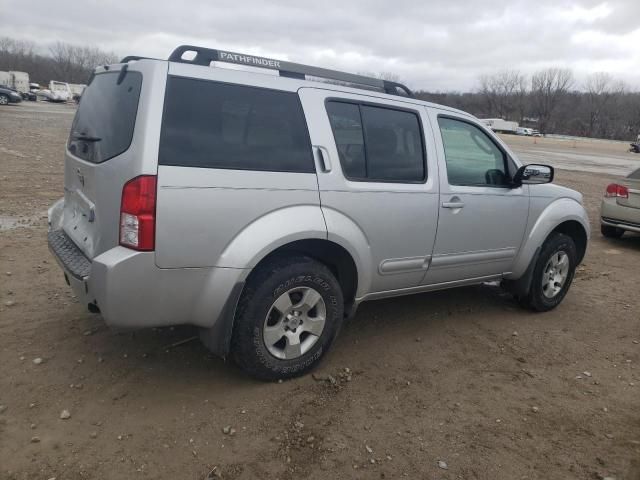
(138,213)
(615,190)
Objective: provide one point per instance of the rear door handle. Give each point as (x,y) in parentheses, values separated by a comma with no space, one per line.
(452,204)
(323,158)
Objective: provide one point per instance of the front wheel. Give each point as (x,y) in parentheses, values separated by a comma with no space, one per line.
(4,100)
(289,314)
(553,273)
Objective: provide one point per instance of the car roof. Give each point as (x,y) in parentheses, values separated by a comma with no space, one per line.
(305,75)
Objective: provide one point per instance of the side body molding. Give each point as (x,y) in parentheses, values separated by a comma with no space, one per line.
(553,214)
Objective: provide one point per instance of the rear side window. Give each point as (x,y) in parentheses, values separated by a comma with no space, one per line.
(215,125)
(376,143)
(104,123)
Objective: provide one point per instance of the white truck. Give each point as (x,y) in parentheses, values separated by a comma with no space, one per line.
(18,81)
(5,80)
(77,89)
(500,125)
(57,92)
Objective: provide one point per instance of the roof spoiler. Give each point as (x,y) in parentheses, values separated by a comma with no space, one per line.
(204,56)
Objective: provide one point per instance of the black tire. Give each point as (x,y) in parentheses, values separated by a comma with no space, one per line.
(4,100)
(278,276)
(611,232)
(536,299)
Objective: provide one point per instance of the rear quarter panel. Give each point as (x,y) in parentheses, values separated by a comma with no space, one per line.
(230,218)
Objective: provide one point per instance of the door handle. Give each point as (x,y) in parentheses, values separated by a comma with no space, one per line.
(323,158)
(452,204)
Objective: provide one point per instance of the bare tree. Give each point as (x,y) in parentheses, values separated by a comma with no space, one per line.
(501,91)
(75,63)
(548,87)
(602,90)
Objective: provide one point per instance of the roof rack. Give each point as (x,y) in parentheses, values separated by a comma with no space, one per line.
(204,56)
(131,58)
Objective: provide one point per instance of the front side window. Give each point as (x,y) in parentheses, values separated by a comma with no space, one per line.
(471,156)
(377,143)
(216,125)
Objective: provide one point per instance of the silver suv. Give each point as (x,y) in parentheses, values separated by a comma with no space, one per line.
(264,207)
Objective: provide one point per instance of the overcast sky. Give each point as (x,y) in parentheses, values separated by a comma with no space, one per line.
(432,45)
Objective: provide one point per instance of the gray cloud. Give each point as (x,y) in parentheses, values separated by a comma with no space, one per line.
(435,45)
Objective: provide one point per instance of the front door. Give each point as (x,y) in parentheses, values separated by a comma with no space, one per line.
(482,217)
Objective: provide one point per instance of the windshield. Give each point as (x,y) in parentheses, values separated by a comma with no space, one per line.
(103,125)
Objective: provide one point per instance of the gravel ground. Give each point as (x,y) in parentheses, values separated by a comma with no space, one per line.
(459,384)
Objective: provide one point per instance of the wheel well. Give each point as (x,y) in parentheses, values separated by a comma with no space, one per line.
(335,257)
(577,232)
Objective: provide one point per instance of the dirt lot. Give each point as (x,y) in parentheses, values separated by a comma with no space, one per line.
(463,377)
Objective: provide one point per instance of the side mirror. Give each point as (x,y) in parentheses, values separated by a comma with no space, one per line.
(533,174)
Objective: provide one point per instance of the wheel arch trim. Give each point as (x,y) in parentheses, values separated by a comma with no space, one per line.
(559,212)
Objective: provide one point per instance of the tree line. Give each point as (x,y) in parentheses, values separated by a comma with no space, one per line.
(61,61)
(552,101)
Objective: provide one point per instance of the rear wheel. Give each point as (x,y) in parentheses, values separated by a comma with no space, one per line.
(553,273)
(4,100)
(611,232)
(288,315)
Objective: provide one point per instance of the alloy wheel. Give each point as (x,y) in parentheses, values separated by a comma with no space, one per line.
(294,323)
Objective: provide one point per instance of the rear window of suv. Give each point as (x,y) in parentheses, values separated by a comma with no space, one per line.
(103,125)
(210,124)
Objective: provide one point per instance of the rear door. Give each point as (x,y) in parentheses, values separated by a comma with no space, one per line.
(379,173)
(111,141)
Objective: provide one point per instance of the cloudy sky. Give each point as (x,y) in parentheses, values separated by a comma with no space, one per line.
(433,44)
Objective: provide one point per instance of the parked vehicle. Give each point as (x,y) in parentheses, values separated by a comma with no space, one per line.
(264,209)
(76,90)
(20,82)
(61,91)
(620,209)
(8,95)
(32,95)
(499,125)
(17,81)
(57,92)
(5,80)
(524,131)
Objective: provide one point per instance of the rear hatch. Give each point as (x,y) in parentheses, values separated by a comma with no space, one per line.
(632,182)
(104,151)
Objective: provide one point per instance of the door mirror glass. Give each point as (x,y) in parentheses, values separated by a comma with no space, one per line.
(533,174)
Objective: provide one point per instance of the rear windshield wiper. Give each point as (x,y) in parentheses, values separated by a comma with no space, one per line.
(85,138)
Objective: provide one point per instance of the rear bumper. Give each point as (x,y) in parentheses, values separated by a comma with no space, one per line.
(132,292)
(620,216)
(75,265)
(623,224)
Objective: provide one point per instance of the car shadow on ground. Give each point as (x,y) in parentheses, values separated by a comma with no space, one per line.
(174,356)
(629,240)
